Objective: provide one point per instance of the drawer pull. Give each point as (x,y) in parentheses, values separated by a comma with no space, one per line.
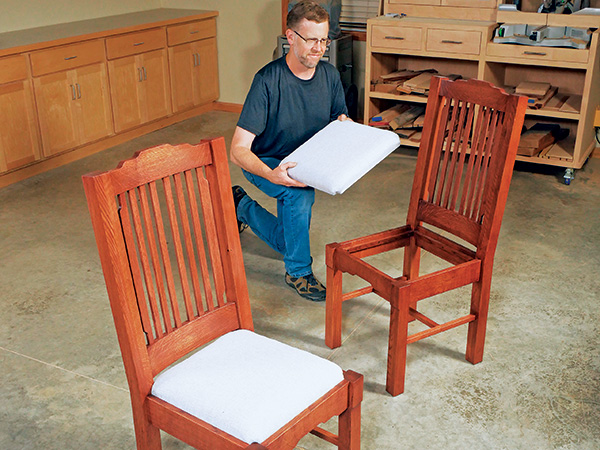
(447,41)
(398,38)
(195,32)
(535,53)
(138,43)
(70,57)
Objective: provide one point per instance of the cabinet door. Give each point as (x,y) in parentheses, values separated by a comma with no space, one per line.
(194,74)
(126,77)
(139,89)
(55,95)
(182,64)
(94,119)
(156,101)
(19,144)
(206,73)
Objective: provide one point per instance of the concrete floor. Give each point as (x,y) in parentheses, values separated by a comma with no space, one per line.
(62,384)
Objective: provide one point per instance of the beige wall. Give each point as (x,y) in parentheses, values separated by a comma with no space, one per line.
(246,37)
(22,14)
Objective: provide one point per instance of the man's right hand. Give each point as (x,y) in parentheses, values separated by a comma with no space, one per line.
(242,156)
(279,175)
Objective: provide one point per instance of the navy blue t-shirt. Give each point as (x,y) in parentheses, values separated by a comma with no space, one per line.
(284,111)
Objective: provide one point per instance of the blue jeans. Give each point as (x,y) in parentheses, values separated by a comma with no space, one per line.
(288,233)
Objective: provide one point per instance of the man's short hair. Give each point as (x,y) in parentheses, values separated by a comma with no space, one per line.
(306,9)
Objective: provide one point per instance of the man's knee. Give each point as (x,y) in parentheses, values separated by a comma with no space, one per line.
(299,197)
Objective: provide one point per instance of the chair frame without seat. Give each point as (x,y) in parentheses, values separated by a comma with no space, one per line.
(461,182)
(176,284)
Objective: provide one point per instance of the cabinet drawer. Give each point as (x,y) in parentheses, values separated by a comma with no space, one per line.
(13,68)
(453,41)
(537,54)
(403,38)
(134,43)
(66,57)
(191,31)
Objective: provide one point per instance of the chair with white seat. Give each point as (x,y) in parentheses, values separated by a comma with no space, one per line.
(169,246)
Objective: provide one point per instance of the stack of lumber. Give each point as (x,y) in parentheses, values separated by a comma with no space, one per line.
(544,95)
(539,137)
(407,81)
(404,119)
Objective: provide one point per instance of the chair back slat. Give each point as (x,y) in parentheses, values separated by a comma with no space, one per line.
(213,242)
(171,213)
(177,235)
(460,164)
(197,235)
(136,272)
(465,132)
(477,142)
(150,238)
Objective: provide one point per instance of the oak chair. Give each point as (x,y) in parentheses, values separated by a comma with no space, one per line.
(463,172)
(167,235)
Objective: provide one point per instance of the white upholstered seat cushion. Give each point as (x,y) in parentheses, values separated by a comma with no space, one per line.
(340,154)
(246,384)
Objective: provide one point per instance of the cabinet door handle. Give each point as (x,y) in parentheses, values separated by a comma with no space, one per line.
(145,73)
(140,74)
(70,57)
(73,95)
(397,38)
(135,44)
(195,61)
(446,41)
(198,59)
(535,53)
(78,90)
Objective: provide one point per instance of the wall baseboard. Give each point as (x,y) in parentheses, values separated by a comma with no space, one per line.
(228,107)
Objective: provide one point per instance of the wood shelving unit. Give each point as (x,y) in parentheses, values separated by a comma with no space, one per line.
(438,38)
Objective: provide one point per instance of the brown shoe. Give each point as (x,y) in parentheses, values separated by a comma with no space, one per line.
(308,287)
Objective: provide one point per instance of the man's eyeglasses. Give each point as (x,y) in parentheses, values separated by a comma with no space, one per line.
(313,41)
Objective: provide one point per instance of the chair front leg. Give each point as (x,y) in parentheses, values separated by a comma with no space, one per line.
(349,420)
(147,436)
(333,308)
(398,340)
(480,301)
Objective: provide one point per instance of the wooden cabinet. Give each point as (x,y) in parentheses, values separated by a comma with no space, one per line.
(466,48)
(19,143)
(139,83)
(193,64)
(73,105)
(73,89)
(447,46)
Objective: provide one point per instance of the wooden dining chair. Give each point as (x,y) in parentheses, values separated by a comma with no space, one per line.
(167,235)
(463,172)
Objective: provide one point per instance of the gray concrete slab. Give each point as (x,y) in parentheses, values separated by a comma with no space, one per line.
(62,384)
